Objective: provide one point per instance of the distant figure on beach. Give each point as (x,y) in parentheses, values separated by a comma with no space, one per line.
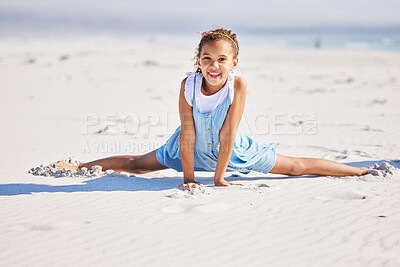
(317,43)
(211,104)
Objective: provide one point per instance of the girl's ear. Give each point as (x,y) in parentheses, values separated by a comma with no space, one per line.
(198,61)
(235,63)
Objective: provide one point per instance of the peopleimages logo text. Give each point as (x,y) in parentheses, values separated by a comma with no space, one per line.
(155,124)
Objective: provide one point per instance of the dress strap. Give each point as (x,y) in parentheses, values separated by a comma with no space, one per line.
(194,90)
(231,81)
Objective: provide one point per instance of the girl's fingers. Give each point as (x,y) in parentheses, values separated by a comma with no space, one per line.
(183,186)
(189,186)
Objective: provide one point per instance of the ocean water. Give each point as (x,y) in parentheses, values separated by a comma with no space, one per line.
(338,38)
(360,42)
(371,41)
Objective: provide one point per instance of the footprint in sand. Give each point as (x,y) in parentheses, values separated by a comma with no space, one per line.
(256,186)
(197,208)
(212,207)
(34,227)
(349,195)
(42,227)
(205,191)
(177,193)
(175,209)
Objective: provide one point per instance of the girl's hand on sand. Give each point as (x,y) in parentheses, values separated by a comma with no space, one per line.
(225,183)
(189,186)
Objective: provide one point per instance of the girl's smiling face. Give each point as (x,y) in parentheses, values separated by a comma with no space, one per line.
(216,62)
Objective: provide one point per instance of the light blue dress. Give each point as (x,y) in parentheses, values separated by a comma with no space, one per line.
(247,154)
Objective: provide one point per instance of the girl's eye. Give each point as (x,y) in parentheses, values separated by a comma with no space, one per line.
(206,58)
(222,59)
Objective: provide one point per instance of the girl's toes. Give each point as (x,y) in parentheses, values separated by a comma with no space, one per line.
(60,164)
(365,170)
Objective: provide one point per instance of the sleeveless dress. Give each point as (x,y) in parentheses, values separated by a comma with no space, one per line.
(247,154)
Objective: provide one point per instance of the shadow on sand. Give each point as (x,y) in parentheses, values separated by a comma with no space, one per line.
(131,184)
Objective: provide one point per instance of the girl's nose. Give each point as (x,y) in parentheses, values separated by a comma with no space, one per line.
(215,64)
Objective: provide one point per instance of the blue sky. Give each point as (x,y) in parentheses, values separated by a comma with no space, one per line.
(199,15)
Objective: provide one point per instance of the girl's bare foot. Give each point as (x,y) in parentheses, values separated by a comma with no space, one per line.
(365,170)
(64,165)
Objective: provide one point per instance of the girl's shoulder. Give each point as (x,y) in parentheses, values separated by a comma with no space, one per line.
(235,85)
(239,88)
(239,83)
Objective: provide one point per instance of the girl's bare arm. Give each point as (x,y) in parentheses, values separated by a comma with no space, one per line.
(186,137)
(228,131)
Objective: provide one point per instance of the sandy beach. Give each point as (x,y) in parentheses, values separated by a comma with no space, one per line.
(92,98)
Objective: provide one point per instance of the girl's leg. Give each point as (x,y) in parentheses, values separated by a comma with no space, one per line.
(134,164)
(302,166)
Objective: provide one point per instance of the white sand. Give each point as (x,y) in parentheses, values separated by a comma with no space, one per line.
(55,99)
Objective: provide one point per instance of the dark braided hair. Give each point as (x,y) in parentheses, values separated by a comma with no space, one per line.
(218,34)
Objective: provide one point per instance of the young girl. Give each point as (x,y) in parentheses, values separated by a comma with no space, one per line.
(211,104)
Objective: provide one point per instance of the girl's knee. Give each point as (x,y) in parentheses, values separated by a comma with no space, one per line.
(289,166)
(132,165)
(298,167)
(137,165)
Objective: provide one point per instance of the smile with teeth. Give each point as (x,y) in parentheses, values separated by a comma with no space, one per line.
(214,74)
